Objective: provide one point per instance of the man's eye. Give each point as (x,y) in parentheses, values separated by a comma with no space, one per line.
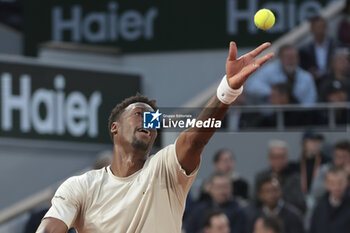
(138,113)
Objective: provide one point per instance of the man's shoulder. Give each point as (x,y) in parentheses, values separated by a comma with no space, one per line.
(270,67)
(322,204)
(302,74)
(252,210)
(86,178)
(162,152)
(291,210)
(307,48)
(234,205)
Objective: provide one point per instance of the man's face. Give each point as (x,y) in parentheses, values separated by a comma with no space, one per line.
(336,184)
(341,64)
(339,96)
(312,147)
(278,159)
(270,193)
(129,128)
(220,189)
(218,224)
(289,59)
(225,164)
(259,227)
(277,98)
(319,29)
(341,158)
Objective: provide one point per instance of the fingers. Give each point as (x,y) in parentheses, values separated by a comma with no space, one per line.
(232,51)
(260,61)
(259,49)
(238,80)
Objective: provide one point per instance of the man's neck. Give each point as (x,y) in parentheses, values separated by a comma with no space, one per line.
(126,163)
(320,41)
(273,210)
(335,202)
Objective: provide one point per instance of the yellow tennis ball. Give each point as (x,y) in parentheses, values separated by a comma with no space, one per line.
(264,19)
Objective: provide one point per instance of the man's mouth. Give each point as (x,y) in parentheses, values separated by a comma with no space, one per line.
(144,131)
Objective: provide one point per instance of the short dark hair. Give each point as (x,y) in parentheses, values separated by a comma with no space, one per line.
(336,170)
(218,154)
(343,145)
(119,108)
(265,179)
(273,223)
(217,174)
(285,47)
(282,88)
(316,18)
(210,214)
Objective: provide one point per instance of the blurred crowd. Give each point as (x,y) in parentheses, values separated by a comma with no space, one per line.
(316,72)
(309,195)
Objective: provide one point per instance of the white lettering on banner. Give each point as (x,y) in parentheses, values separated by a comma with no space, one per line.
(285,12)
(11,102)
(130,25)
(209,123)
(73,113)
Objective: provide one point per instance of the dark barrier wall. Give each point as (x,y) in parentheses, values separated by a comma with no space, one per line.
(152,25)
(47,102)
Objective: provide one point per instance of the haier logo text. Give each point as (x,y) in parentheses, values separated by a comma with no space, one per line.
(48,111)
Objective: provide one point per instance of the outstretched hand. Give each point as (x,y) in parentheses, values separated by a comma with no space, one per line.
(238,70)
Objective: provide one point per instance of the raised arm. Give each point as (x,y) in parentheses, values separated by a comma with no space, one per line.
(191,142)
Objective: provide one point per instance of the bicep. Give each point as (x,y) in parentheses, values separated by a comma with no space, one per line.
(52,225)
(188,153)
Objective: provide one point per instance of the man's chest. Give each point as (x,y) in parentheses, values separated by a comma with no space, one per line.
(118,206)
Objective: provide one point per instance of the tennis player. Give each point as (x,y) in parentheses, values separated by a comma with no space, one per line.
(137,192)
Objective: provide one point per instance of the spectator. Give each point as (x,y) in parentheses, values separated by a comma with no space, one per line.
(268,224)
(339,75)
(341,159)
(216,221)
(332,213)
(316,55)
(344,26)
(285,70)
(239,119)
(285,172)
(281,94)
(272,204)
(311,158)
(220,190)
(279,167)
(225,162)
(336,93)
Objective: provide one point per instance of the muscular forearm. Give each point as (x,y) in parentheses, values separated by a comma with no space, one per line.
(215,110)
(191,142)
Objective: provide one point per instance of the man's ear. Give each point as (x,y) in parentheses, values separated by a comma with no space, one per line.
(114,128)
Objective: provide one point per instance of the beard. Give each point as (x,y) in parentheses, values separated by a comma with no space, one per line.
(138,144)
